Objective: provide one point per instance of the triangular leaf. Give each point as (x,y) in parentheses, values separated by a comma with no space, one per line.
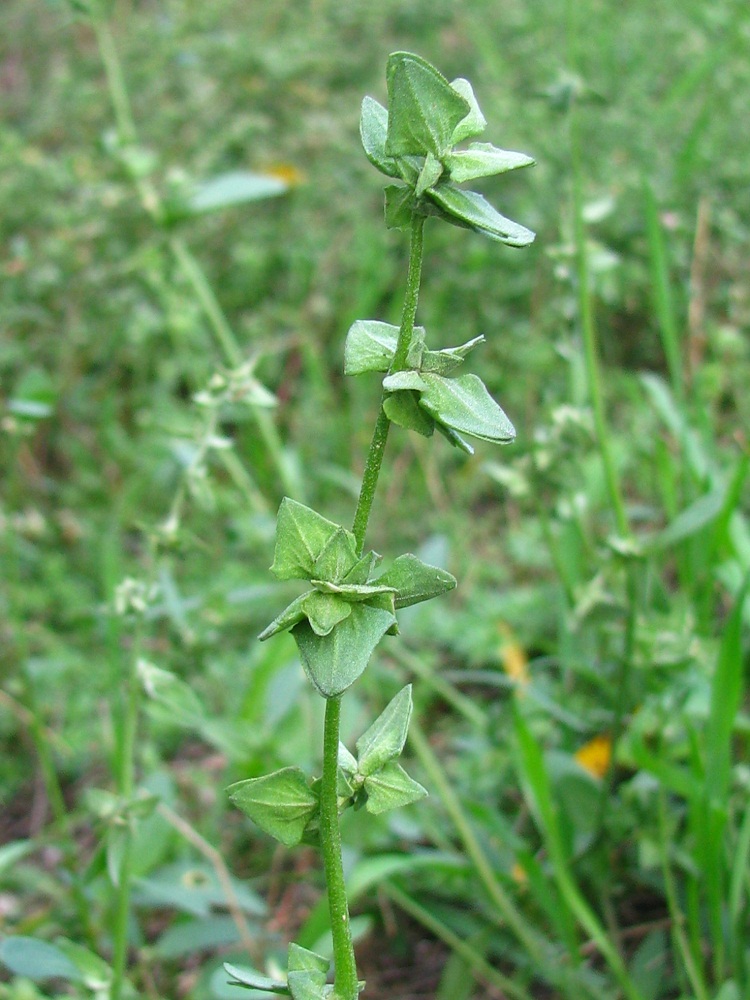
(301,535)
(385,738)
(399,206)
(403,409)
(429,175)
(423,108)
(373,127)
(252,980)
(390,788)
(363,568)
(415,580)
(334,662)
(301,959)
(346,761)
(370,346)
(307,986)
(445,361)
(289,617)
(482,159)
(337,556)
(469,209)
(474,123)
(325,611)
(464,405)
(281,803)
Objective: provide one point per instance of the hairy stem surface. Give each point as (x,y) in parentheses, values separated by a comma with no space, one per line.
(345,983)
(380,434)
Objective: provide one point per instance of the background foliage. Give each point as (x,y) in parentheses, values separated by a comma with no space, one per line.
(533,854)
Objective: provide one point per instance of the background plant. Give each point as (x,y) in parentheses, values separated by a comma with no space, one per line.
(102,340)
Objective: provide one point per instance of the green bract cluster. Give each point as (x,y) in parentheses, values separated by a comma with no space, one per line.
(414,141)
(339,622)
(286,805)
(306,977)
(424,395)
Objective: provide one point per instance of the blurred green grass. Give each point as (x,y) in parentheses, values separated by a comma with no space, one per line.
(103,344)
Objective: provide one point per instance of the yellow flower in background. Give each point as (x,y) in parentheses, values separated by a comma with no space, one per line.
(513,656)
(596,755)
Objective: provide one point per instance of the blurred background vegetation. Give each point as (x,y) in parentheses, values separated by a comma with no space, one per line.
(581,717)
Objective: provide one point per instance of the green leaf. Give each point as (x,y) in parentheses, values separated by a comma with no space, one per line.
(386,737)
(373,128)
(415,581)
(37,960)
(301,959)
(363,568)
(307,974)
(281,803)
(403,409)
(390,788)
(404,380)
(307,986)
(445,361)
(253,980)
(301,536)
(482,159)
(471,210)
(430,174)
(346,761)
(474,123)
(370,346)
(289,617)
(464,405)
(354,592)
(399,206)
(325,611)
(333,662)
(423,109)
(455,439)
(234,188)
(337,557)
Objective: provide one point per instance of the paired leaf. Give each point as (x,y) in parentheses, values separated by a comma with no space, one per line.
(371,346)
(289,617)
(474,123)
(325,611)
(307,974)
(445,361)
(400,205)
(301,536)
(333,662)
(403,409)
(472,211)
(249,979)
(482,159)
(415,581)
(423,109)
(390,788)
(337,557)
(373,128)
(464,405)
(386,737)
(281,803)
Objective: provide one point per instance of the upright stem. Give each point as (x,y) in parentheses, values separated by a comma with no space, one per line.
(345,984)
(405,334)
(126,787)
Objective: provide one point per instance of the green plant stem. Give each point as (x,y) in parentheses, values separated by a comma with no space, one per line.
(345,983)
(126,787)
(375,453)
